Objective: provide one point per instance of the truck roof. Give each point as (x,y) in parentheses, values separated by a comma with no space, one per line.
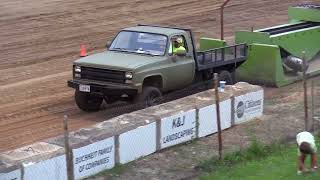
(158,30)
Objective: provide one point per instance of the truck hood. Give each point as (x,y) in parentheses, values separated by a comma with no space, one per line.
(118,60)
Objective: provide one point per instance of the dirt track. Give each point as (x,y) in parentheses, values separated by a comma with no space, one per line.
(40,39)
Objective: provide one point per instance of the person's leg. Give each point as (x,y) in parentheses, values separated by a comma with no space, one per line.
(301,160)
(314,163)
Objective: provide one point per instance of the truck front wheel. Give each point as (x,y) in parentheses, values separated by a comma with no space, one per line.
(150,96)
(88,102)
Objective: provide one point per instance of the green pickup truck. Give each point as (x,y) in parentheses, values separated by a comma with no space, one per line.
(140,65)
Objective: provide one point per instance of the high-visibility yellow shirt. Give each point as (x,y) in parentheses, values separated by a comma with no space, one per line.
(179,48)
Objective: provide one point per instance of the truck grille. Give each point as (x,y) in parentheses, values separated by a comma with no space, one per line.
(102,75)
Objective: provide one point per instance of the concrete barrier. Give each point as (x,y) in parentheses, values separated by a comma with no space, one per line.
(177,128)
(94,158)
(9,172)
(37,161)
(130,136)
(131,131)
(137,143)
(208,118)
(248,102)
(50,169)
(93,150)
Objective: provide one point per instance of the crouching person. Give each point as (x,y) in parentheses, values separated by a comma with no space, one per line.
(306,146)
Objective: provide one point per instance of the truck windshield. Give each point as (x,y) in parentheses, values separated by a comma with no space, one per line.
(140,42)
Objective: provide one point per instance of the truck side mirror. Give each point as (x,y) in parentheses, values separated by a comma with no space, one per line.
(181,52)
(108,44)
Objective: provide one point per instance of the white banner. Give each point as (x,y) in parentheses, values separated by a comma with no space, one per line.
(13,175)
(51,169)
(178,128)
(93,158)
(138,142)
(248,106)
(208,118)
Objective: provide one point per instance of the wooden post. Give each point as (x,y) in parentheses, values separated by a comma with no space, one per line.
(68,150)
(221,18)
(312,104)
(216,82)
(306,124)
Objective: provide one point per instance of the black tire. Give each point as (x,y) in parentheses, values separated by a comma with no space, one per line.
(111,99)
(226,76)
(150,96)
(88,102)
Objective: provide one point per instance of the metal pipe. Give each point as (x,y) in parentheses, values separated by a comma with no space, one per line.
(221,18)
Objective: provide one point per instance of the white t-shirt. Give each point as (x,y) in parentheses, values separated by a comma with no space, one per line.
(306,137)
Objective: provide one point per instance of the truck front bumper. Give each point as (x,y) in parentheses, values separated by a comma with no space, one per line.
(105,88)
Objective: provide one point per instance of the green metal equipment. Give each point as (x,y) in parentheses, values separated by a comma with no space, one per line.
(275,52)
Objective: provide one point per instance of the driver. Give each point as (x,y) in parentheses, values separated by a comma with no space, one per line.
(178,45)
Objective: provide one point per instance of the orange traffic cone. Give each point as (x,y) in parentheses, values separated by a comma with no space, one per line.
(83,51)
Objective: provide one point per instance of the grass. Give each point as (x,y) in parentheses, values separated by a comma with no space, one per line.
(259,161)
(112,173)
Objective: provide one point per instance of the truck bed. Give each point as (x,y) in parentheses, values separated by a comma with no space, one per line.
(219,57)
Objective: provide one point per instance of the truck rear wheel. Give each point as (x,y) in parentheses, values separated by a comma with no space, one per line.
(88,102)
(150,96)
(226,76)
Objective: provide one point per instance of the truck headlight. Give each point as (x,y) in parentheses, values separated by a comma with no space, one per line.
(76,75)
(129,75)
(77,69)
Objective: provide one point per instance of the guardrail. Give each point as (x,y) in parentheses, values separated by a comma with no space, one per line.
(221,56)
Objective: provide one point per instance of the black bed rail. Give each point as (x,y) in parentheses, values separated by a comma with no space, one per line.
(221,56)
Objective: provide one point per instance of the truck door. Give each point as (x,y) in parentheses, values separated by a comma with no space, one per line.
(180,71)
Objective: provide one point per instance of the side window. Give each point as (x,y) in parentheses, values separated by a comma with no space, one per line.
(184,43)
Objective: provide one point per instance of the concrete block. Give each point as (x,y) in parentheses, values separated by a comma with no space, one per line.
(50,169)
(208,118)
(201,99)
(83,137)
(32,153)
(128,126)
(124,123)
(94,158)
(9,172)
(176,121)
(248,106)
(241,88)
(137,143)
(177,128)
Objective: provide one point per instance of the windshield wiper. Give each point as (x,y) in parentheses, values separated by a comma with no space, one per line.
(121,49)
(147,52)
